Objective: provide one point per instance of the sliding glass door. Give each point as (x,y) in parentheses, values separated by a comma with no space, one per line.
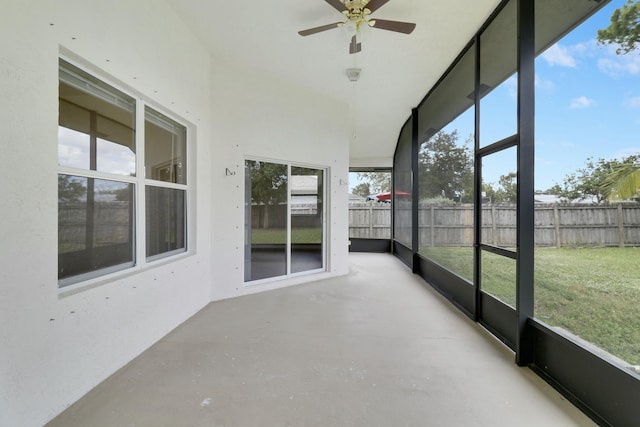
(284,220)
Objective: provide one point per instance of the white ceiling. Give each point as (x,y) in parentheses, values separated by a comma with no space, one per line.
(397,69)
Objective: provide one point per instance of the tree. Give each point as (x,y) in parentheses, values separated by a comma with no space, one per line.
(600,179)
(508,191)
(268,186)
(488,193)
(505,191)
(446,167)
(624,181)
(556,189)
(70,190)
(589,181)
(624,29)
(268,182)
(379,182)
(363,189)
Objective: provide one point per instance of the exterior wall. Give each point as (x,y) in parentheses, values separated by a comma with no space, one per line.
(55,346)
(266,118)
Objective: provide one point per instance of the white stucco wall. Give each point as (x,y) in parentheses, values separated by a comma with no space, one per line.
(55,347)
(266,118)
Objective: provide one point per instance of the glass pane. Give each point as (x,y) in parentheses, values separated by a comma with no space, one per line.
(498,82)
(73,145)
(307,211)
(453,97)
(165,148)
(587,259)
(498,277)
(113,155)
(165,220)
(403,187)
(369,205)
(445,213)
(445,171)
(96,124)
(499,192)
(266,220)
(95,225)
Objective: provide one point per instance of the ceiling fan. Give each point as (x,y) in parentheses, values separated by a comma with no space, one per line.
(357,13)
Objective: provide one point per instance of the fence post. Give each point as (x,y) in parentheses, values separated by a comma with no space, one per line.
(620,226)
(494,226)
(556,225)
(371,222)
(432,216)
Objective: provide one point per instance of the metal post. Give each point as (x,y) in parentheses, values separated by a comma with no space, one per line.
(415,190)
(477,190)
(525,213)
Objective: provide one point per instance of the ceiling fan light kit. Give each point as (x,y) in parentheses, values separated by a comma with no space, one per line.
(357,14)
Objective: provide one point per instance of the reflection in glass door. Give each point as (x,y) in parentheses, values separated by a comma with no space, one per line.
(265,220)
(306,219)
(284,217)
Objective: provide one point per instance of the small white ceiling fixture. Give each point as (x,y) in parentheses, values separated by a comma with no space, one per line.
(353,74)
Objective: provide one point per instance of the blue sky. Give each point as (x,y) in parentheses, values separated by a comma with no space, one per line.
(587,105)
(587,102)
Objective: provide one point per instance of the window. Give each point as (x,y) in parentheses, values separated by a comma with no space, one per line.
(446,170)
(100,186)
(586,255)
(165,155)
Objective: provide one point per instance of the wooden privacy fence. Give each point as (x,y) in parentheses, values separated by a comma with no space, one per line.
(555,225)
(111,224)
(370,221)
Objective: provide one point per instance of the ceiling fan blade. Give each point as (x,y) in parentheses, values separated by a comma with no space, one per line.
(374,5)
(354,46)
(319,29)
(397,26)
(337,4)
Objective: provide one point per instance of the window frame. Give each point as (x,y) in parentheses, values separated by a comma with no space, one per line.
(140,183)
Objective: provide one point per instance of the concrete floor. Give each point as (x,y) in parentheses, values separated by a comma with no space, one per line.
(374,348)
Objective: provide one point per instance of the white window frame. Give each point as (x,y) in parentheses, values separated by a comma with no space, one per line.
(140,259)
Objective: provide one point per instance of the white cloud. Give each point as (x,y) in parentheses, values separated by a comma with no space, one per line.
(582,102)
(626,152)
(633,102)
(615,65)
(544,84)
(560,56)
(588,49)
(512,86)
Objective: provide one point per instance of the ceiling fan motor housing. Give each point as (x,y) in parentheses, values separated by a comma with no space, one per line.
(356,9)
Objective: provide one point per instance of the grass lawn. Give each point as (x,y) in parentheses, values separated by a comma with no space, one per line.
(592,292)
(279,236)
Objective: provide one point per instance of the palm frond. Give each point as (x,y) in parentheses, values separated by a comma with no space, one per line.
(626,185)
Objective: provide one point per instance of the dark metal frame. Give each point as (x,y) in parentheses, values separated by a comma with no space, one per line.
(525,189)
(369,245)
(594,382)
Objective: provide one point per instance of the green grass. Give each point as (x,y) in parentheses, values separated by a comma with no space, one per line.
(279,236)
(592,292)
(456,259)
